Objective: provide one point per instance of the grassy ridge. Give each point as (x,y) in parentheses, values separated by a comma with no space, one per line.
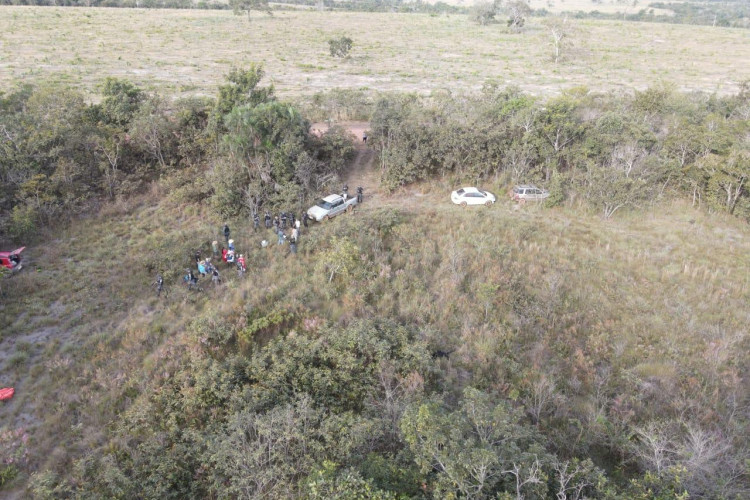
(645,315)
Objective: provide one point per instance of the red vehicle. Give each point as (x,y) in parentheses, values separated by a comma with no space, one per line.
(12,260)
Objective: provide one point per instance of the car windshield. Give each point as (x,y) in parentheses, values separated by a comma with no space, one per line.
(324,204)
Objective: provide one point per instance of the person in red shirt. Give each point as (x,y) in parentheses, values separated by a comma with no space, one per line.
(223,254)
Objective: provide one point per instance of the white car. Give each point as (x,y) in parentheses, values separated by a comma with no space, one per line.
(472,196)
(331,206)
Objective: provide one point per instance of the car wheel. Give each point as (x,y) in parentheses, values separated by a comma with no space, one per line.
(463,204)
(350,208)
(488,203)
(326,218)
(522,201)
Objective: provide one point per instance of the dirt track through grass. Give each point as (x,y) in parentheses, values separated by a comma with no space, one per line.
(188,52)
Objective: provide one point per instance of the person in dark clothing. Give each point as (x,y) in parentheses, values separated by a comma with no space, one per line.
(190,279)
(267,220)
(305,218)
(159,284)
(276,224)
(364,137)
(360,194)
(293,245)
(226,233)
(197,256)
(283,220)
(256,221)
(291,219)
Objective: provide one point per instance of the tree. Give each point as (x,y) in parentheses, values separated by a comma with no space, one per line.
(152,129)
(610,189)
(727,178)
(517,11)
(121,100)
(576,477)
(341,46)
(341,259)
(560,31)
(240,6)
(472,449)
(328,482)
(242,89)
(483,13)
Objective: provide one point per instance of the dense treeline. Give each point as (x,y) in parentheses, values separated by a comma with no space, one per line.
(353,5)
(59,153)
(141,4)
(733,14)
(611,151)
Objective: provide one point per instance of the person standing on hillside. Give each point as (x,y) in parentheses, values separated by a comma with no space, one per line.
(215,249)
(256,222)
(267,220)
(305,218)
(360,194)
(226,234)
(159,284)
(283,220)
(364,137)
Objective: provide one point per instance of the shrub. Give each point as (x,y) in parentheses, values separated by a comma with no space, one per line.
(340,47)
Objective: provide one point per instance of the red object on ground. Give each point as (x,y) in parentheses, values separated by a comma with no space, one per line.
(6,393)
(11,260)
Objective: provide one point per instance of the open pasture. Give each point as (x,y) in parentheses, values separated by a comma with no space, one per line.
(188,52)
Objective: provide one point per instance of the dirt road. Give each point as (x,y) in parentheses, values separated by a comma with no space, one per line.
(362,171)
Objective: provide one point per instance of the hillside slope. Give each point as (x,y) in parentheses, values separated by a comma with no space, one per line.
(595,332)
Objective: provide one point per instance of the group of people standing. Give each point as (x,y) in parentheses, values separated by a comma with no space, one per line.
(229,255)
(281,224)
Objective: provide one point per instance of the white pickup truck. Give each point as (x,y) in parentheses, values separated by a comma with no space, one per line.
(331,206)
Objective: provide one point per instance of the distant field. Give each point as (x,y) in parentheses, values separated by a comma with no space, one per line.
(184,52)
(606,6)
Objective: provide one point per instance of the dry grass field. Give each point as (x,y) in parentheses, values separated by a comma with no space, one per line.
(604,6)
(181,52)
